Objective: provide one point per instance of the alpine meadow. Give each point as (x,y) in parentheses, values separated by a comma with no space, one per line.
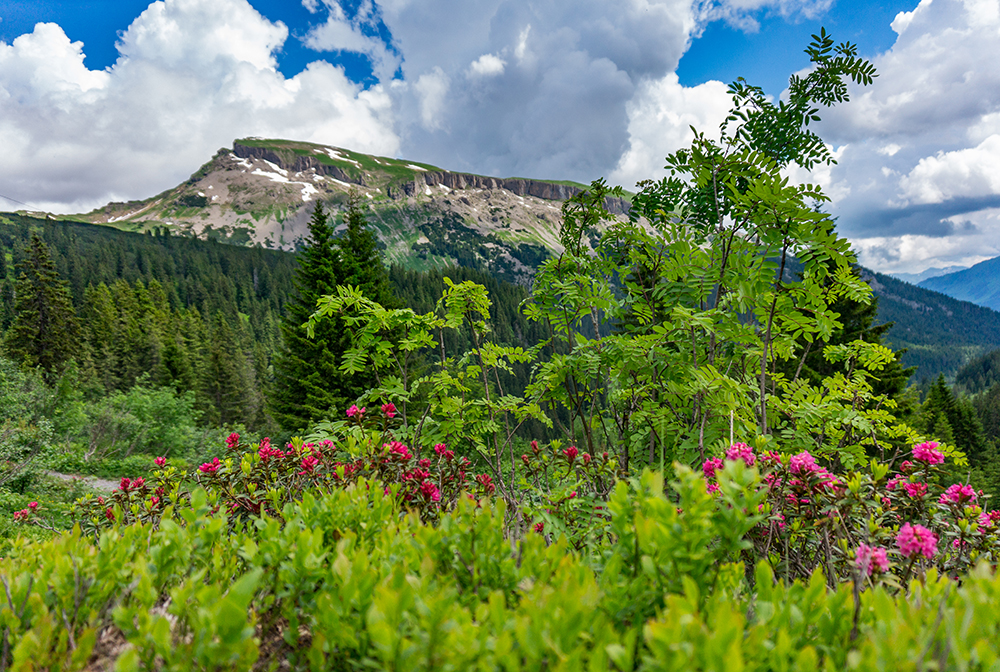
(661,430)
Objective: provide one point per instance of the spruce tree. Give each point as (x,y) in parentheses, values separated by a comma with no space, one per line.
(43,332)
(309,384)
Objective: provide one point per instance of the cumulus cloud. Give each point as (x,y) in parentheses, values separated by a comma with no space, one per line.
(190,77)
(923,142)
(357,33)
(660,117)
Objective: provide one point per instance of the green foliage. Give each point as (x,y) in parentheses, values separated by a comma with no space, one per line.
(43,332)
(308,381)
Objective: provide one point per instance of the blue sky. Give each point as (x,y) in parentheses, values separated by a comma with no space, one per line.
(117,99)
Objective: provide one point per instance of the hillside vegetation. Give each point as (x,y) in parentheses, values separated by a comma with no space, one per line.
(690,450)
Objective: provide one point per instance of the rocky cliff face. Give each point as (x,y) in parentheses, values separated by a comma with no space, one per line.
(549,191)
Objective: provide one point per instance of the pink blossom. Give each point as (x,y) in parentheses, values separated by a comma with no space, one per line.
(125,484)
(354,410)
(424,463)
(586,458)
(802,464)
(572,495)
(539,527)
(109,514)
(741,451)
(893,482)
(232,440)
(906,465)
(138,482)
(399,449)
(928,452)
(870,560)
(430,491)
(524,458)
(440,448)
(486,481)
(958,494)
(308,464)
(915,490)
(914,540)
(160,461)
(713,488)
(153,501)
(33,506)
(21,515)
(534,447)
(571,453)
(711,466)
(389,410)
(210,467)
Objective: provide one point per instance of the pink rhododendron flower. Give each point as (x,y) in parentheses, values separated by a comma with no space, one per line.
(713,488)
(33,506)
(524,459)
(109,514)
(958,494)
(928,452)
(21,515)
(486,481)
(914,540)
(870,560)
(308,464)
(160,461)
(389,410)
(915,490)
(354,410)
(430,491)
(153,501)
(893,482)
(232,440)
(802,464)
(571,453)
(424,463)
(210,467)
(741,451)
(539,527)
(399,449)
(906,465)
(711,466)
(125,484)
(138,482)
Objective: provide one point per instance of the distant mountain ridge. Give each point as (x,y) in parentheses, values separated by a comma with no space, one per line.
(979,284)
(914,278)
(261,192)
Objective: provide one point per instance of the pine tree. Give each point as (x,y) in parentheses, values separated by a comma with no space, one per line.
(43,332)
(309,384)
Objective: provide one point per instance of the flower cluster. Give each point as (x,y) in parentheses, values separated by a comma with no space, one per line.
(814,516)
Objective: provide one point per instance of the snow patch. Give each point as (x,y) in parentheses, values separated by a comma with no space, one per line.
(336,156)
(410,165)
(308,191)
(427,191)
(275,167)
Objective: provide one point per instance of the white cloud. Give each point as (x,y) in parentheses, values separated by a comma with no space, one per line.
(191,77)
(965,172)
(659,120)
(340,33)
(487,65)
(432,87)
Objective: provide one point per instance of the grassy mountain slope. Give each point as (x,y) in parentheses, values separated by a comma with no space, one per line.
(260,192)
(979,284)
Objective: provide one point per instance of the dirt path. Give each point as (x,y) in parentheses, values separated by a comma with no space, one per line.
(99,484)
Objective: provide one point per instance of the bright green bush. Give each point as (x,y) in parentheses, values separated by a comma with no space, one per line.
(350,579)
